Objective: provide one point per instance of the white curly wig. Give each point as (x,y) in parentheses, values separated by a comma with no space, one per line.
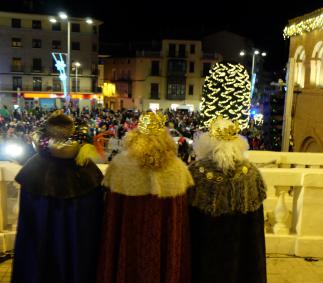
(225,153)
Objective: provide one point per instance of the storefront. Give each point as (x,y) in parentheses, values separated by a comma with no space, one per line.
(56,100)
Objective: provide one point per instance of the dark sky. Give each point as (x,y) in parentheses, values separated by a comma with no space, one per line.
(261,21)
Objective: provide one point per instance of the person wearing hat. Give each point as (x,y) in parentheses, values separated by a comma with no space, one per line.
(226,214)
(61,202)
(145,231)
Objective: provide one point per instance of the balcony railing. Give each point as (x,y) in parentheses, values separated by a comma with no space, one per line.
(154,96)
(147,53)
(293,208)
(45,88)
(17,68)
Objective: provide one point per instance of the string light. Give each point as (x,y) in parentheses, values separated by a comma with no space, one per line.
(226,92)
(306,25)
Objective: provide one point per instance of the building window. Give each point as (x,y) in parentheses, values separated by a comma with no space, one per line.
(206,69)
(94,47)
(176,67)
(36,24)
(76,45)
(16,64)
(94,69)
(56,27)
(155,68)
(182,50)
(191,89)
(56,44)
(54,69)
(94,85)
(176,88)
(172,50)
(36,43)
(16,83)
(76,27)
(16,42)
(76,84)
(57,84)
(16,23)
(192,49)
(95,29)
(37,83)
(154,91)
(192,65)
(37,66)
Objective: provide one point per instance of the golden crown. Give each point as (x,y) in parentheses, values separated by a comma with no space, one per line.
(151,123)
(219,130)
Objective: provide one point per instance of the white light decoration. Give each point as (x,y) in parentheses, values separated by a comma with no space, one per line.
(226,92)
(60,66)
(174,106)
(259,119)
(154,106)
(308,24)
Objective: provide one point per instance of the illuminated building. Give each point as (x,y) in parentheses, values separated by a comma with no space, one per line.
(28,76)
(306,77)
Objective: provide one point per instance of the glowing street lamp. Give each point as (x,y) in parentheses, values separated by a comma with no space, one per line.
(63,16)
(76,66)
(253,74)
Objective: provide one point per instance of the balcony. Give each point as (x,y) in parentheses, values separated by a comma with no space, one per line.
(211,56)
(293,208)
(155,96)
(147,53)
(17,68)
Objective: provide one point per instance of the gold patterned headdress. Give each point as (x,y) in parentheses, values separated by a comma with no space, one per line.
(151,123)
(223,129)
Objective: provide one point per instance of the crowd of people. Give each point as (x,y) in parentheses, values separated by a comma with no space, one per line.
(150,218)
(110,125)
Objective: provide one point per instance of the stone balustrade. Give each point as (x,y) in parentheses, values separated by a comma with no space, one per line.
(293,208)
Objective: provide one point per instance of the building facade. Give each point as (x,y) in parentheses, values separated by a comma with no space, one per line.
(171,77)
(306,69)
(28,75)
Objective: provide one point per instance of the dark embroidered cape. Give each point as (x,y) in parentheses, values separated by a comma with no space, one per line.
(55,177)
(227,224)
(59,224)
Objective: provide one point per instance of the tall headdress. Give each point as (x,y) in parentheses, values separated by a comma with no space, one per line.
(223,129)
(151,123)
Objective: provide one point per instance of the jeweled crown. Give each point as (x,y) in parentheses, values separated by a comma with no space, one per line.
(223,129)
(151,123)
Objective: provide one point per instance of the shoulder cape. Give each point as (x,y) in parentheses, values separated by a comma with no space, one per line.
(55,177)
(239,191)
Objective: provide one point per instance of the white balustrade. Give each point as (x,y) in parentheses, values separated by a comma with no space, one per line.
(293,208)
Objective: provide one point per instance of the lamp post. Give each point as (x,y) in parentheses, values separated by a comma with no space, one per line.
(64,17)
(76,66)
(253,74)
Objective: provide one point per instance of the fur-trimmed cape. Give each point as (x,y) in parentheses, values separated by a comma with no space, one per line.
(238,191)
(125,176)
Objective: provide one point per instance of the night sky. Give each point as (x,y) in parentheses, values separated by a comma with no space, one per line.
(261,21)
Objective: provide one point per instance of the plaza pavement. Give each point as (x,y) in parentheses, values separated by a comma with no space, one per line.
(280,269)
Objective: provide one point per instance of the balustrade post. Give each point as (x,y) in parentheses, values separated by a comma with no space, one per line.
(281,215)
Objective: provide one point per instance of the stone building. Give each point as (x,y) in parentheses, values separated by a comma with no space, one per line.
(167,74)
(306,77)
(28,76)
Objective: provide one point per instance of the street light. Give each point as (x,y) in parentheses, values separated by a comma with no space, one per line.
(76,65)
(253,74)
(63,16)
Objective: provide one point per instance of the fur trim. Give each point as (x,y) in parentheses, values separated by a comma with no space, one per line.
(125,176)
(238,191)
(87,152)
